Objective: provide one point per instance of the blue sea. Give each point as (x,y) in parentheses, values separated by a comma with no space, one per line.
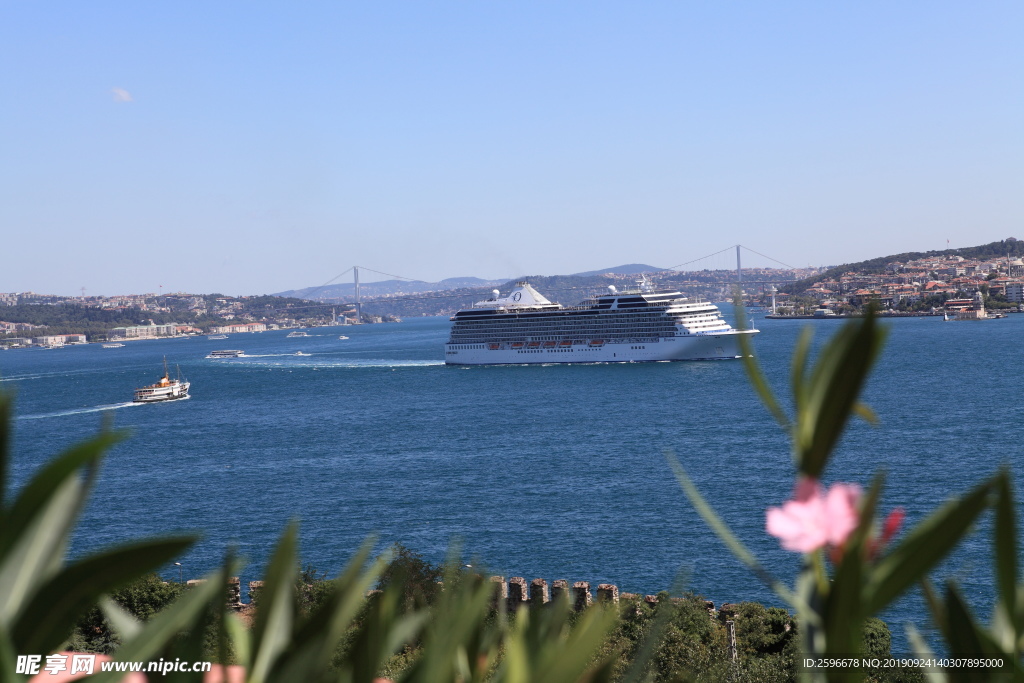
(556,472)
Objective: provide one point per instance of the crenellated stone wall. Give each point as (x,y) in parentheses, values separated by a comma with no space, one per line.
(516,592)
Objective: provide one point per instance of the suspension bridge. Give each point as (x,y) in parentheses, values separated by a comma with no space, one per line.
(728,274)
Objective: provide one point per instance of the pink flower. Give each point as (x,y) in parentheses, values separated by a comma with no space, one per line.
(815,519)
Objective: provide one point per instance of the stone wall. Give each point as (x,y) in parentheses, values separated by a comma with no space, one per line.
(517,592)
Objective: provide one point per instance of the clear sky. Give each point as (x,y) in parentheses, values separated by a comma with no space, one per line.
(252,147)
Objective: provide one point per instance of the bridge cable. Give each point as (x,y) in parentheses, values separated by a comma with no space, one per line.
(704,257)
(768,257)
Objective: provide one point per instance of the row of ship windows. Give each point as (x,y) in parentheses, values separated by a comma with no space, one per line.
(570,323)
(569,350)
(630,320)
(466,339)
(585,315)
(574,324)
(468,347)
(577,313)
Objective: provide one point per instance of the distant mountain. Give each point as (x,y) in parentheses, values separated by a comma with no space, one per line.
(629,269)
(346,290)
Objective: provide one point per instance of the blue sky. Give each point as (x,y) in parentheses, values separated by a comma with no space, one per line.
(254,147)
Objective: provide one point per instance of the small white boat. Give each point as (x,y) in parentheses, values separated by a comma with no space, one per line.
(300,353)
(342,337)
(216,336)
(226,353)
(165,389)
(298,333)
(113,346)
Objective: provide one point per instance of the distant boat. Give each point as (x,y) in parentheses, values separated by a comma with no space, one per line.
(165,389)
(216,336)
(300,353)
(113,346)
(226,353)
(298,333)
(342,337)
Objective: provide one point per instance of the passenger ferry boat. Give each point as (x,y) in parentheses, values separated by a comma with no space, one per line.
(165,389)
(226,353)
(618,327)
(297,333)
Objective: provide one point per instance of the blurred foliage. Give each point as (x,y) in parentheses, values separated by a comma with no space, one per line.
(840,589)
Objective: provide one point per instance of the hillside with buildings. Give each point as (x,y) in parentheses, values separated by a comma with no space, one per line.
(30,319)
(991,275)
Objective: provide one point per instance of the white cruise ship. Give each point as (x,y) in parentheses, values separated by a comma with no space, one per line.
(618,327)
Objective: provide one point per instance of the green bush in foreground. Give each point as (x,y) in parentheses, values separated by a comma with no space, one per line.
(142,598)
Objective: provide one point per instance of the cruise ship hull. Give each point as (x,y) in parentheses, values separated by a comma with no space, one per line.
(711,346)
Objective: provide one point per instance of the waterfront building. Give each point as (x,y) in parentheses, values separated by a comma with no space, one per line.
(49,341)
(151,331)
(238,327)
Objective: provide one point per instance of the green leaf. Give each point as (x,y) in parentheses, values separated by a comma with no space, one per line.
(832,391)
(540,648)
(274,618)
(382,633)
(52,612)
(923,548)
(962,630)
(923,651)
(37,492)
(5,450)
(843,614)
(1005,542)
(189,645)
(183,614)
(315,641)
(798,367)
(567,660)
(31,561)
(123,624)
(754,373)
(712,519)
(238,634)
(454,637)
(8,657)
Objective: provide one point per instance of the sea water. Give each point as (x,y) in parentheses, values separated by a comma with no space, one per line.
(554,471)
